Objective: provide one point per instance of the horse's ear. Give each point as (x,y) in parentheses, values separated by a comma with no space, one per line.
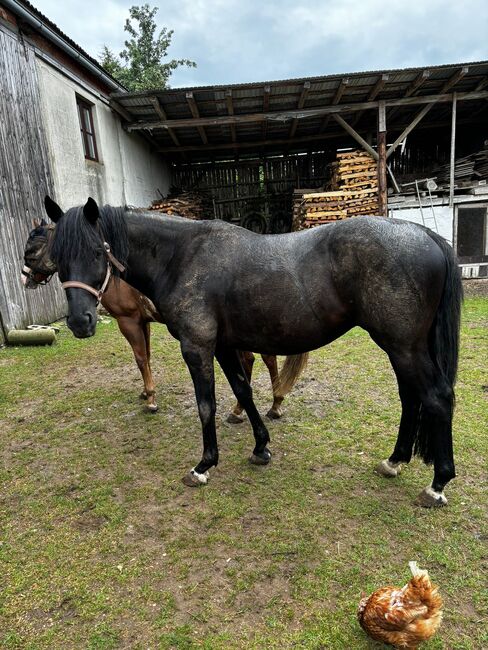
(43,222)
(90,210)
(53,210)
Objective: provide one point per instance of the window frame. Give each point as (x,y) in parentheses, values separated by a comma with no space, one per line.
(81,105)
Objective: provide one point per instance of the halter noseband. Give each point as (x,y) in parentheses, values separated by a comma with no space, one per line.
(98,293)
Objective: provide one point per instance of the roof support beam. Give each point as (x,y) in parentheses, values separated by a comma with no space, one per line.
(284,116)
(337,98)
(412,88)
(266,94)
(196,115)
(375,91)
(230,110)
(356,136)
(162,114)
(452,81)
(301,104)
(453,151)
(409,128)
(381,147)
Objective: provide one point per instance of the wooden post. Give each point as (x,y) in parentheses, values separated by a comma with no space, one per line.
(453,150)
(381,142)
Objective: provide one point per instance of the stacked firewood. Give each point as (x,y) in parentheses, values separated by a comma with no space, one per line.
(353,191)
(191,205)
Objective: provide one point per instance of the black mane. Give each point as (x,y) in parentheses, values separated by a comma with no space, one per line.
(76,238)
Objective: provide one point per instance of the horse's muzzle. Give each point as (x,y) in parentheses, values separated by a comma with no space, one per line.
(82,325)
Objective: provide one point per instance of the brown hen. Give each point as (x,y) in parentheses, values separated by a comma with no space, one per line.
(403,617)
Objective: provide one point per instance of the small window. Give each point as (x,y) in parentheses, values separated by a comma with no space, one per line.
(85,114)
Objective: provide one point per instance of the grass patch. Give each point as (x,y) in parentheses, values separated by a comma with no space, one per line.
(101,546)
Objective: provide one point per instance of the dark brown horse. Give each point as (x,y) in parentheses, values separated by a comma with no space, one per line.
(134,313)
(221,288)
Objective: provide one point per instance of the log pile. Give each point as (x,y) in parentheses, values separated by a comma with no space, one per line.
(353,191)
(191,205)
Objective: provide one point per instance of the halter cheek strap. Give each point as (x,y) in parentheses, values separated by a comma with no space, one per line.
(98,293)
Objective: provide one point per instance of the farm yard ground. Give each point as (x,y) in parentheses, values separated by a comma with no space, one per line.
(101,545)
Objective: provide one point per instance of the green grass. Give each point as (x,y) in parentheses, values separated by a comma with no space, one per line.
(101,545)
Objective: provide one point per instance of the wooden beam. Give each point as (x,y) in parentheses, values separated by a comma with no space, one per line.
(452,81)
(230,110)
(335,101)
(356,136)
(118,108)
(196,115)
(256,144)
(284,116)
(409,128)
(162,114)
(301,104)
(419,81)
(453,151)
(375,91)
(266,95)
(482,84)
(381,146)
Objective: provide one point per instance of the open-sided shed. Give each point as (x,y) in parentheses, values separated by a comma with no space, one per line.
(249,146)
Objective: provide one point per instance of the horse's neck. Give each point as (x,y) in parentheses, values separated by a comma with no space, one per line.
(152,243)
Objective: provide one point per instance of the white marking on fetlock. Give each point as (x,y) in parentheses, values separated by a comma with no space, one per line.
(438,497)
(201,478)
(387,468)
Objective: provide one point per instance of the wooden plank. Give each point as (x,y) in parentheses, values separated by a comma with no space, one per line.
(230,110)
(341,89)
(356,136)
(266,96)
(162,114)
(409,128)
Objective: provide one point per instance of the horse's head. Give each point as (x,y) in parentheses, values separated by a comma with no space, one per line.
(38,266)
(83,262)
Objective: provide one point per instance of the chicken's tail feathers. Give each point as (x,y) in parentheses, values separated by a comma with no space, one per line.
(414,568)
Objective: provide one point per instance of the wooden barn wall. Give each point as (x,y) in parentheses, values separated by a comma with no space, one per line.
(256,194)
(25,179)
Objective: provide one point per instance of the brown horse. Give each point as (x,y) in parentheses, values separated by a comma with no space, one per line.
(134,312)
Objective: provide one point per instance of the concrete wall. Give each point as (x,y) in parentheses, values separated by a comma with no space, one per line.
(128,173)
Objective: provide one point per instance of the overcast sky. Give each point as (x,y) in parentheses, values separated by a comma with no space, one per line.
(235,41)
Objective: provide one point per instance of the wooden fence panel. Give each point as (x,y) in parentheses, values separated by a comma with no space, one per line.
(25,179)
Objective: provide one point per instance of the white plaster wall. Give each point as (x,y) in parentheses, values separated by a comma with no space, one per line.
(443,218)
(128,173)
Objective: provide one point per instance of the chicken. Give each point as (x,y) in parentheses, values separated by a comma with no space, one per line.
(403,617)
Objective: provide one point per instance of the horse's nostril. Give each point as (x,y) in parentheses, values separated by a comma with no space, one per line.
(89,316)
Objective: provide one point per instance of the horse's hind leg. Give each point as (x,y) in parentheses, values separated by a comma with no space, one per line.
(247,361)
(402,453)
(430,429)
(275,411)
(231,365)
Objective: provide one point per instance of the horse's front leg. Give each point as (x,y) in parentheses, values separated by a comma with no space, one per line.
(199,360)
(231,365)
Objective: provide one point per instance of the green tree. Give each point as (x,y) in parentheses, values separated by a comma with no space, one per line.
(140,65)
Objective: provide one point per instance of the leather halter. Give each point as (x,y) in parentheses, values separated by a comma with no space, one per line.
(98,293)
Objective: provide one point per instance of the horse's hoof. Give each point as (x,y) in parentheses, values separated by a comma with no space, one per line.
(260,459)
(274,414)
(429,498)
(194,479)
(232,418)
(152,408)
(143,395)
(388,469)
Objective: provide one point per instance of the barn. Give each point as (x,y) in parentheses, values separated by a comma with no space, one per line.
(248,153)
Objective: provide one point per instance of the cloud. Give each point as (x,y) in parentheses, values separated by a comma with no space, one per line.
(234,41)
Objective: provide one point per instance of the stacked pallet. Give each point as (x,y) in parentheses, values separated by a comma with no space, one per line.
(191,205)
(353,191)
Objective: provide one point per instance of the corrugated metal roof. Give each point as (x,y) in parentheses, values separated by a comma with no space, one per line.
(214,140)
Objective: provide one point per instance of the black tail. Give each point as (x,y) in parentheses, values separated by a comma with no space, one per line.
(443,340)
(445,333)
